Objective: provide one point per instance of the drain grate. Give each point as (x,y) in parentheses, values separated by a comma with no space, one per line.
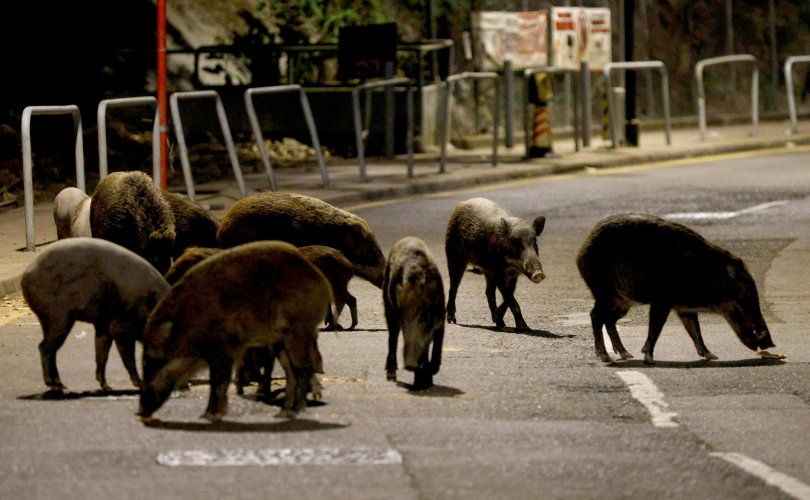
(279,456)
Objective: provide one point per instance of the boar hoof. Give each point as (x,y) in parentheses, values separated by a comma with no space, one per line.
(625,355)
(605,357)
(709,356)
(391,375)
(211,417)
(422,380)
(286,413)
(648,359)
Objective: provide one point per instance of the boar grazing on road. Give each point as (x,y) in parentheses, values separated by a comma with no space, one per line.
(194,226)
(501,246)
(303,220)
(332,263)
(128,209)
(260,294)
(71,213)
(413,296)
(92,280)
(638,258)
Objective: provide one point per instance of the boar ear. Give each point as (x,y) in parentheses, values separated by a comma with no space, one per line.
(539,225)
(506,228)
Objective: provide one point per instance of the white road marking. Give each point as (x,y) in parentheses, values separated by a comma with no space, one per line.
(787,484)
(280,456)
(645,391)
(724,215)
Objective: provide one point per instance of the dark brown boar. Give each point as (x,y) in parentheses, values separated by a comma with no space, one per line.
(127,209)
(71,213)
(501,246)
(97,281)
(194,226)
(264,293)
(304,220)
(189,258)
(339,271)
(413,296)
(645,259)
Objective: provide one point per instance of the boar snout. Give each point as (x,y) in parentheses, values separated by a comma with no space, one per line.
(537,276)
(415,354)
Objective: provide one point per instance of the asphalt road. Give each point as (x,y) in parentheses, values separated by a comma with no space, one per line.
(513,414)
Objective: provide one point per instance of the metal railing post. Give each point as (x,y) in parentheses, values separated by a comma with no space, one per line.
(181,140)
(635,66)
(28,176)
(701,100)
(101,117)
(791,98)
(257,130)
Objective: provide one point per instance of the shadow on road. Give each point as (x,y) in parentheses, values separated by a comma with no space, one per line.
(434,391)
(51,395)
(293,425)
(699,363)
(507,329)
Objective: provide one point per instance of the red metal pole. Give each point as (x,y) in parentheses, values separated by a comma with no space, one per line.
(161,91)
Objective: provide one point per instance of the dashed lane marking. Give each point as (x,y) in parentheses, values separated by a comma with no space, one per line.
(787,484)
(280,456)
(646,392)
(724,215)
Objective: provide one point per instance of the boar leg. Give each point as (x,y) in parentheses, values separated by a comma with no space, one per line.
(296,387)
(220,368)
(493,306)
(104,341)
(658,317)
(350,301)
(55,333)
(615,314)
(124,340)
(436,356)
(690,322)
(456,266)
(423,377)
(392,320)
(507,290)
(606,313)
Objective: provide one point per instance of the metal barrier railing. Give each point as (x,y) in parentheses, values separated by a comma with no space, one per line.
(444,129)
(28,178)
(181,140)
(635,66)
(791,99)
(701,101)
(360,131)
(527,128)
(101,116)
(257,130)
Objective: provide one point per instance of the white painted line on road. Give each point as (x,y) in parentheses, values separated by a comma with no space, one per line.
(724,215)
(645,391)
(787,484)
(279,456)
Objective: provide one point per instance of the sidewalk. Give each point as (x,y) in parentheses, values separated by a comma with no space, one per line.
(388,179)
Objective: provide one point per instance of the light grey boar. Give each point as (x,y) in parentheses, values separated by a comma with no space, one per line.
(264,293)
(413,296)
(304,220)
(639,258)
(482,233)
(128,209)
(97,281)
(71,213)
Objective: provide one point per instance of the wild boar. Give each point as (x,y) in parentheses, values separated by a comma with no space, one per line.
(71,213)
(264,293)
(194,226)
(413,296)
(304,220)
(128,209)
(499,245)
(332,263)
(97,281)
(639,258)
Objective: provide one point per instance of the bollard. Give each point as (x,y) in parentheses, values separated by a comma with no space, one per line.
(540,96)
